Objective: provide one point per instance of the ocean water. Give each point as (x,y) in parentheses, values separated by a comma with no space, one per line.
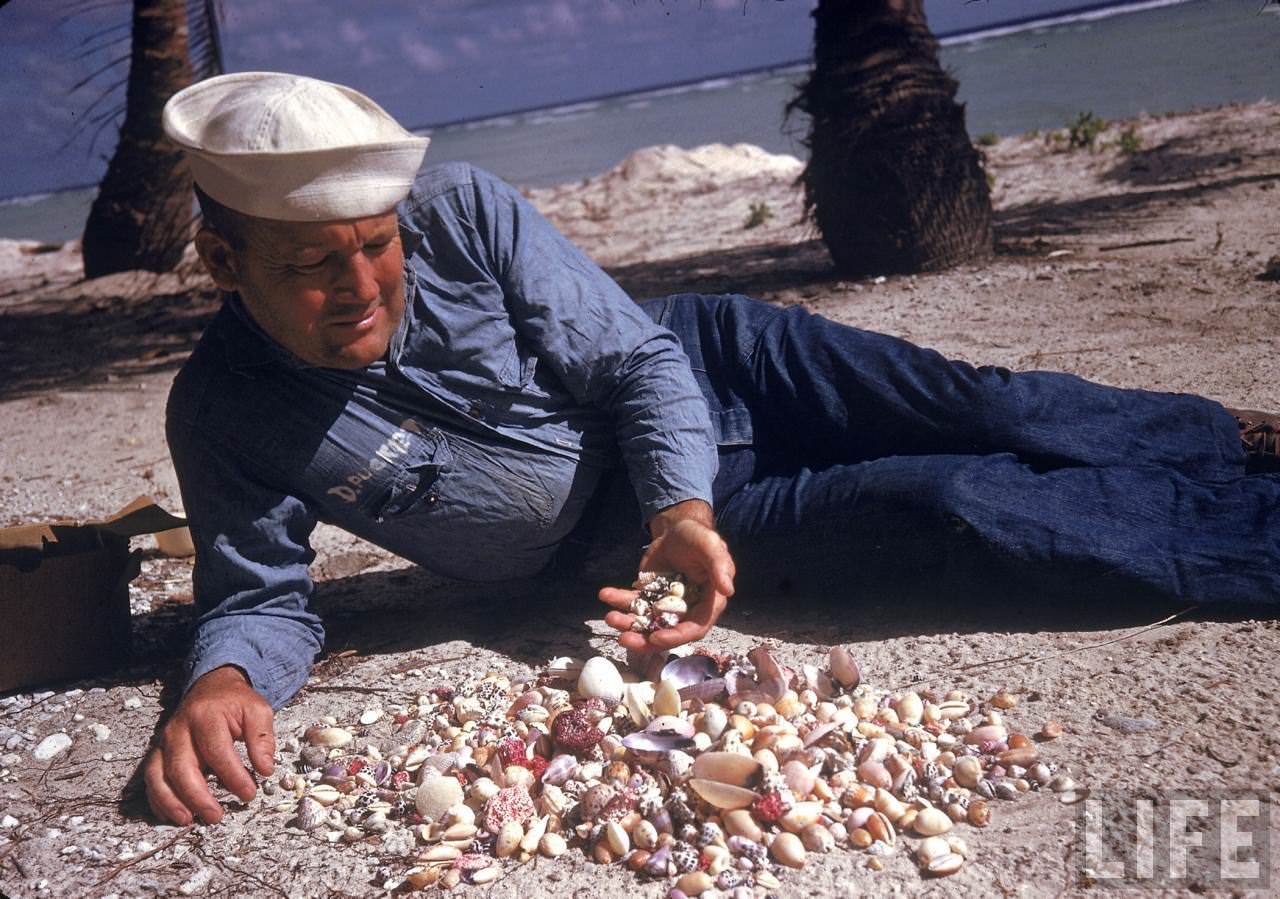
(1155,57)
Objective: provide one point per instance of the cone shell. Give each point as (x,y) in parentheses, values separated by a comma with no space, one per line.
(723,795)
(931,822)
(843,668)
(727,768)
(788,850)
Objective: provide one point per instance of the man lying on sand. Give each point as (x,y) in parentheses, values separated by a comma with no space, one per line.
(420,358)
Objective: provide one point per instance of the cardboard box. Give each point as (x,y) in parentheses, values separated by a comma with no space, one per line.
(64,593)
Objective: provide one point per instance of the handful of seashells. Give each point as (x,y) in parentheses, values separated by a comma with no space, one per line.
(662,601)
(720,776)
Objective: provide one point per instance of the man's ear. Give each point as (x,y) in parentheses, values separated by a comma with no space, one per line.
(219,259)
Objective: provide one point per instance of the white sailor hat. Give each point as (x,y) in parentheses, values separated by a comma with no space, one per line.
(291,148)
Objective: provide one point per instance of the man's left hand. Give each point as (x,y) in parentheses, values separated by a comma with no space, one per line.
(684,541)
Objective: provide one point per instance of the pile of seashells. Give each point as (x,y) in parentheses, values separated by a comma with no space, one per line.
(721,773)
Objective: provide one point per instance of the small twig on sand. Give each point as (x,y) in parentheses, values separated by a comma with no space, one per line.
(1146,243)
(146,855)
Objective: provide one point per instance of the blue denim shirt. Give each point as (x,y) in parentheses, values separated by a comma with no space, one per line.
(520,373)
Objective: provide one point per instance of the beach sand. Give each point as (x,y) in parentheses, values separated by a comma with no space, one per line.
(1156,269)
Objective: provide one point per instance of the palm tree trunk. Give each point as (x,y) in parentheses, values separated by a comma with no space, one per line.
(142,215)
(892,181)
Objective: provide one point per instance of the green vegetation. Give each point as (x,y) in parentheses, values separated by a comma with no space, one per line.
(988,139)
(760,213)
(1130,141)
(1083,131)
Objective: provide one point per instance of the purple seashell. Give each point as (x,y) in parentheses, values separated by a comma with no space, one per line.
(381,773)
(661,821)
(818,681)
(643,741)
(690,670)
(560,770)
(773,680)
(657,864)
(817,733)
(669,726)
(739,845)
(706,691)
(677,893)
(334,770)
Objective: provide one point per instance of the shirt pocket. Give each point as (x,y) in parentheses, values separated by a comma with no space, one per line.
(412,478)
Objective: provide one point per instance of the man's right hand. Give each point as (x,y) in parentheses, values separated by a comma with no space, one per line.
(220,708)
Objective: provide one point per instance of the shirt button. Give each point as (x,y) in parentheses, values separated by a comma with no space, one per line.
(431,499)
(476,410)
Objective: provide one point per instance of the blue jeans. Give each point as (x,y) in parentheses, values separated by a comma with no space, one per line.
(858,461)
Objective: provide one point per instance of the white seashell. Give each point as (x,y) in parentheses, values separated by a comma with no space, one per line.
(817,838)
(800,777)
(329,737)
(645,835)
(951,709)
(460,814)
(801,815)
(486,875)
(552,845)
(787,849)
(727,768)
(533,836)
(50,746)
(455,832)
(436,795)
(695,883)
(714,720)
(552,800)
(617,839)
(677,764)
(931,848)
(967,771)
(324,794)
(666,699)
(600,679)
(440,854)
(637,703)
(508,840)
(673,604)
(910,708)
(740,823)
(375,823)
(722,795)
(369,716)
(944,865)
(931,822)
(482,791)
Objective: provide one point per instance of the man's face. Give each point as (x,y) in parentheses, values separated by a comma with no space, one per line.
(332,293)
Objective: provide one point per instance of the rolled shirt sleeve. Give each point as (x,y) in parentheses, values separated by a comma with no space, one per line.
(602,346)
(251,580)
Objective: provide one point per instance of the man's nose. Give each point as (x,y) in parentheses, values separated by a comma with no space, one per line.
(356,279)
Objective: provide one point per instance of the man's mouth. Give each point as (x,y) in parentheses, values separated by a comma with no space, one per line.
(358,322)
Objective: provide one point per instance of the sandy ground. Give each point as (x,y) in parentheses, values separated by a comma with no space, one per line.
(1154,269)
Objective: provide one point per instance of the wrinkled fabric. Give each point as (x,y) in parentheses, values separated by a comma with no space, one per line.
(530,413)
(519,375)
